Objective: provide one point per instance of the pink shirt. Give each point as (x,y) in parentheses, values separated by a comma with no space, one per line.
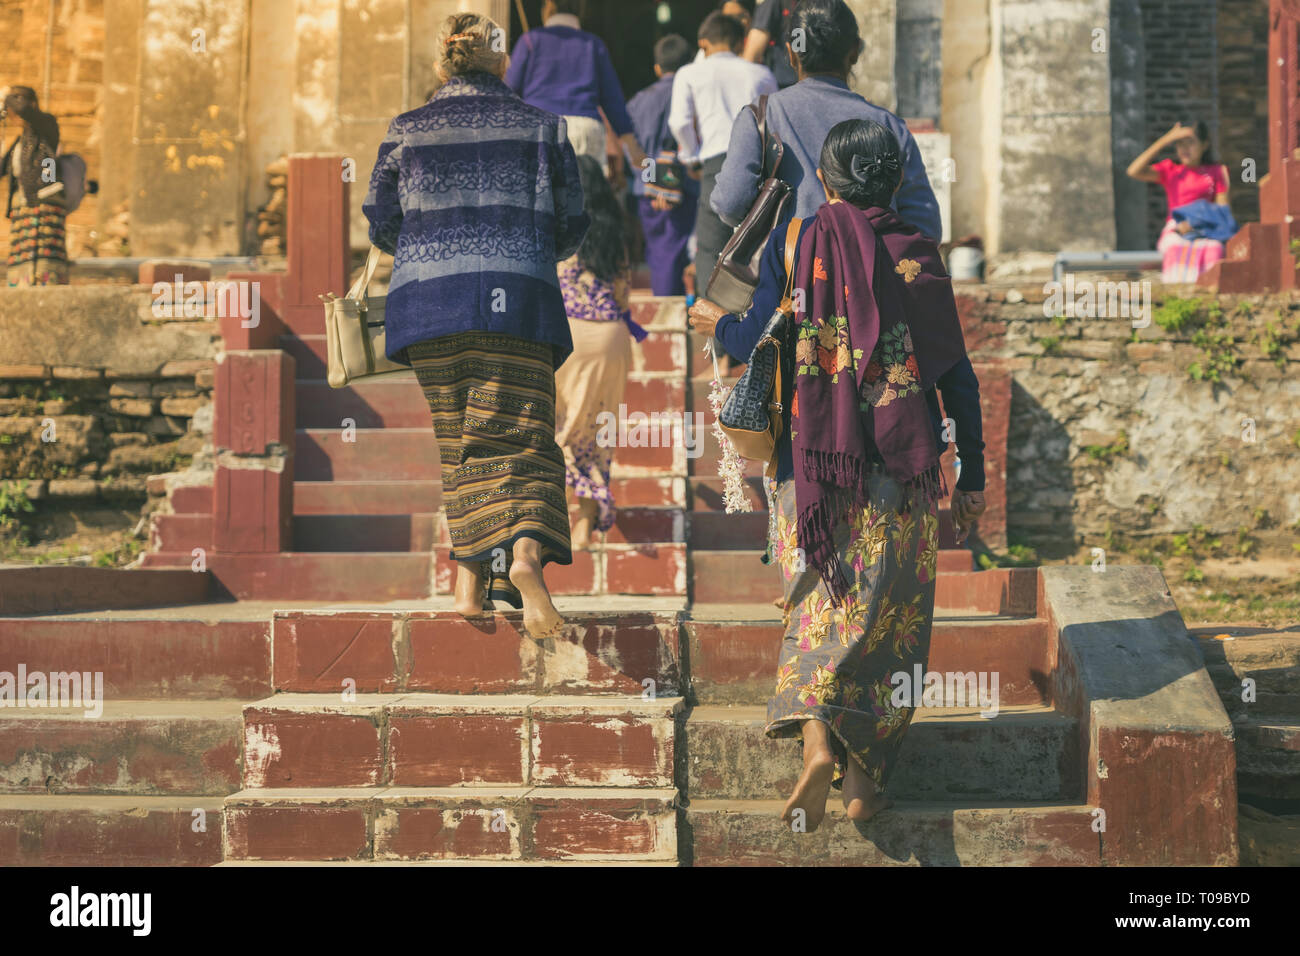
(1184,184)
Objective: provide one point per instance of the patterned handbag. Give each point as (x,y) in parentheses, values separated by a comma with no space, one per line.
(751,415)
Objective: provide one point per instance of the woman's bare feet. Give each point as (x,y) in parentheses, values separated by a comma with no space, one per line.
(471,594)
(583,524)
(814,784)
(862,800)
(541,619)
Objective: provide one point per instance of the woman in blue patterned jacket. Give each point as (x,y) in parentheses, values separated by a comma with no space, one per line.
(477,195)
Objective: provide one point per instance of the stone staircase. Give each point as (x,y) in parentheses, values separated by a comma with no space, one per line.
(318,703)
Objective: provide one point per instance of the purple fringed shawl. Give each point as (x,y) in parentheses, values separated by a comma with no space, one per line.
(878,328)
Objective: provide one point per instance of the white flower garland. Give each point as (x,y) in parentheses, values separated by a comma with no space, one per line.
(731,467)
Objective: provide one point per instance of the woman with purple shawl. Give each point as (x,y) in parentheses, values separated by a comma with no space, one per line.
(875,333)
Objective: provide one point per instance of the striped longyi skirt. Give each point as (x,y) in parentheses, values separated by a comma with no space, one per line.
(492,398)
(38,253)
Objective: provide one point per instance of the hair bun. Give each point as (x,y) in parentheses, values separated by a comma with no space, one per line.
(863,167)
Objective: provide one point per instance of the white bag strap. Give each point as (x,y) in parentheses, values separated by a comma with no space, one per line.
(360,287)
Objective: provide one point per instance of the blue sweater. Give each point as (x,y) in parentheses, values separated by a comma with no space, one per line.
(477,196)
(569,72)
(649,112)
(960,387)
(802,115)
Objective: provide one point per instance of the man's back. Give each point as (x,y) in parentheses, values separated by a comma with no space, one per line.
(709,94)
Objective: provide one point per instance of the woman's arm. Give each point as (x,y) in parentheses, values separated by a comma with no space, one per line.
(1140,168)
(1221,197)
(739,334)
(383,204)
(960,389)
(740,178)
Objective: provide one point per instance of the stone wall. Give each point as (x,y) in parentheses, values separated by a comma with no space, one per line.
(1111,434)
(96,394)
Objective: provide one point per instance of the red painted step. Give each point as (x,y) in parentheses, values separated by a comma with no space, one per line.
(89,830)
(370,497)
(146,655)
(490,823)
(389,454)
(366,532)
(735,661)
(430,740)
(441,653)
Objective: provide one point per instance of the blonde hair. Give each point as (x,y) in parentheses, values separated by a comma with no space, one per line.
(470,42)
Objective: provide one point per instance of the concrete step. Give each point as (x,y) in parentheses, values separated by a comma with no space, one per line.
(751,833)
(1029,752)
(432,740)
(489,823)
(93,830)
(1268,755)
(442,653)
(368,497)
(366,532)
(179,654)
(145,747)
(734,653)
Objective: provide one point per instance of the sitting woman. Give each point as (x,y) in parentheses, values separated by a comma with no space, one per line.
(858,480)
(595,282)
(1196,177)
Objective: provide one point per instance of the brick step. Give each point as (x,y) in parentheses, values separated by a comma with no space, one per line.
(738,576)
(442,653)
(490,823)
(146,747)
(399,402)
(1021,753)
(312,575)
(662,351)
(433,740)
(751,833)
(147,654)
(93,830)
(735,661)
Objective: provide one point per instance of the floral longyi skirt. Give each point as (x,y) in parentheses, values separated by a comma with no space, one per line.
(836,664)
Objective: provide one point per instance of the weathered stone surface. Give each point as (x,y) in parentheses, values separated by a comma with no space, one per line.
(135,407)
(182,407)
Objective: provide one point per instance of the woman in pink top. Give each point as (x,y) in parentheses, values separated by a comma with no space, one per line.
(1195,176)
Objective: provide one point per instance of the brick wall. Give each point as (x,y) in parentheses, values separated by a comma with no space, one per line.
(76,73)
(1243,98)
(1181,78)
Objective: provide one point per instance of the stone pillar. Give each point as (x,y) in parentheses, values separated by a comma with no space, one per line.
(967,54)
(873,77)
(253,436)
(187,193)
(1128,122)
(1054,188)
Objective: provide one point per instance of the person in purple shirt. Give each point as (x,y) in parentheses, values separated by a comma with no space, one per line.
(563,69)
(667,215)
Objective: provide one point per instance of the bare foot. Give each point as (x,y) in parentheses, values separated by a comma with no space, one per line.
(541,619)
(862,800)
(471,591)
(778,602)
(814,784)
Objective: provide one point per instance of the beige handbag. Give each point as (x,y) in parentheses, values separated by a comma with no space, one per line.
(354,332)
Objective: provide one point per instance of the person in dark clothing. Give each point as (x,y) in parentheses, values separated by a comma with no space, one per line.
(667,206)
(767,38)
(875,333)
(36,204)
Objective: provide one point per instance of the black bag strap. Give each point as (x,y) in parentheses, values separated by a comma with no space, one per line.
(765,136)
